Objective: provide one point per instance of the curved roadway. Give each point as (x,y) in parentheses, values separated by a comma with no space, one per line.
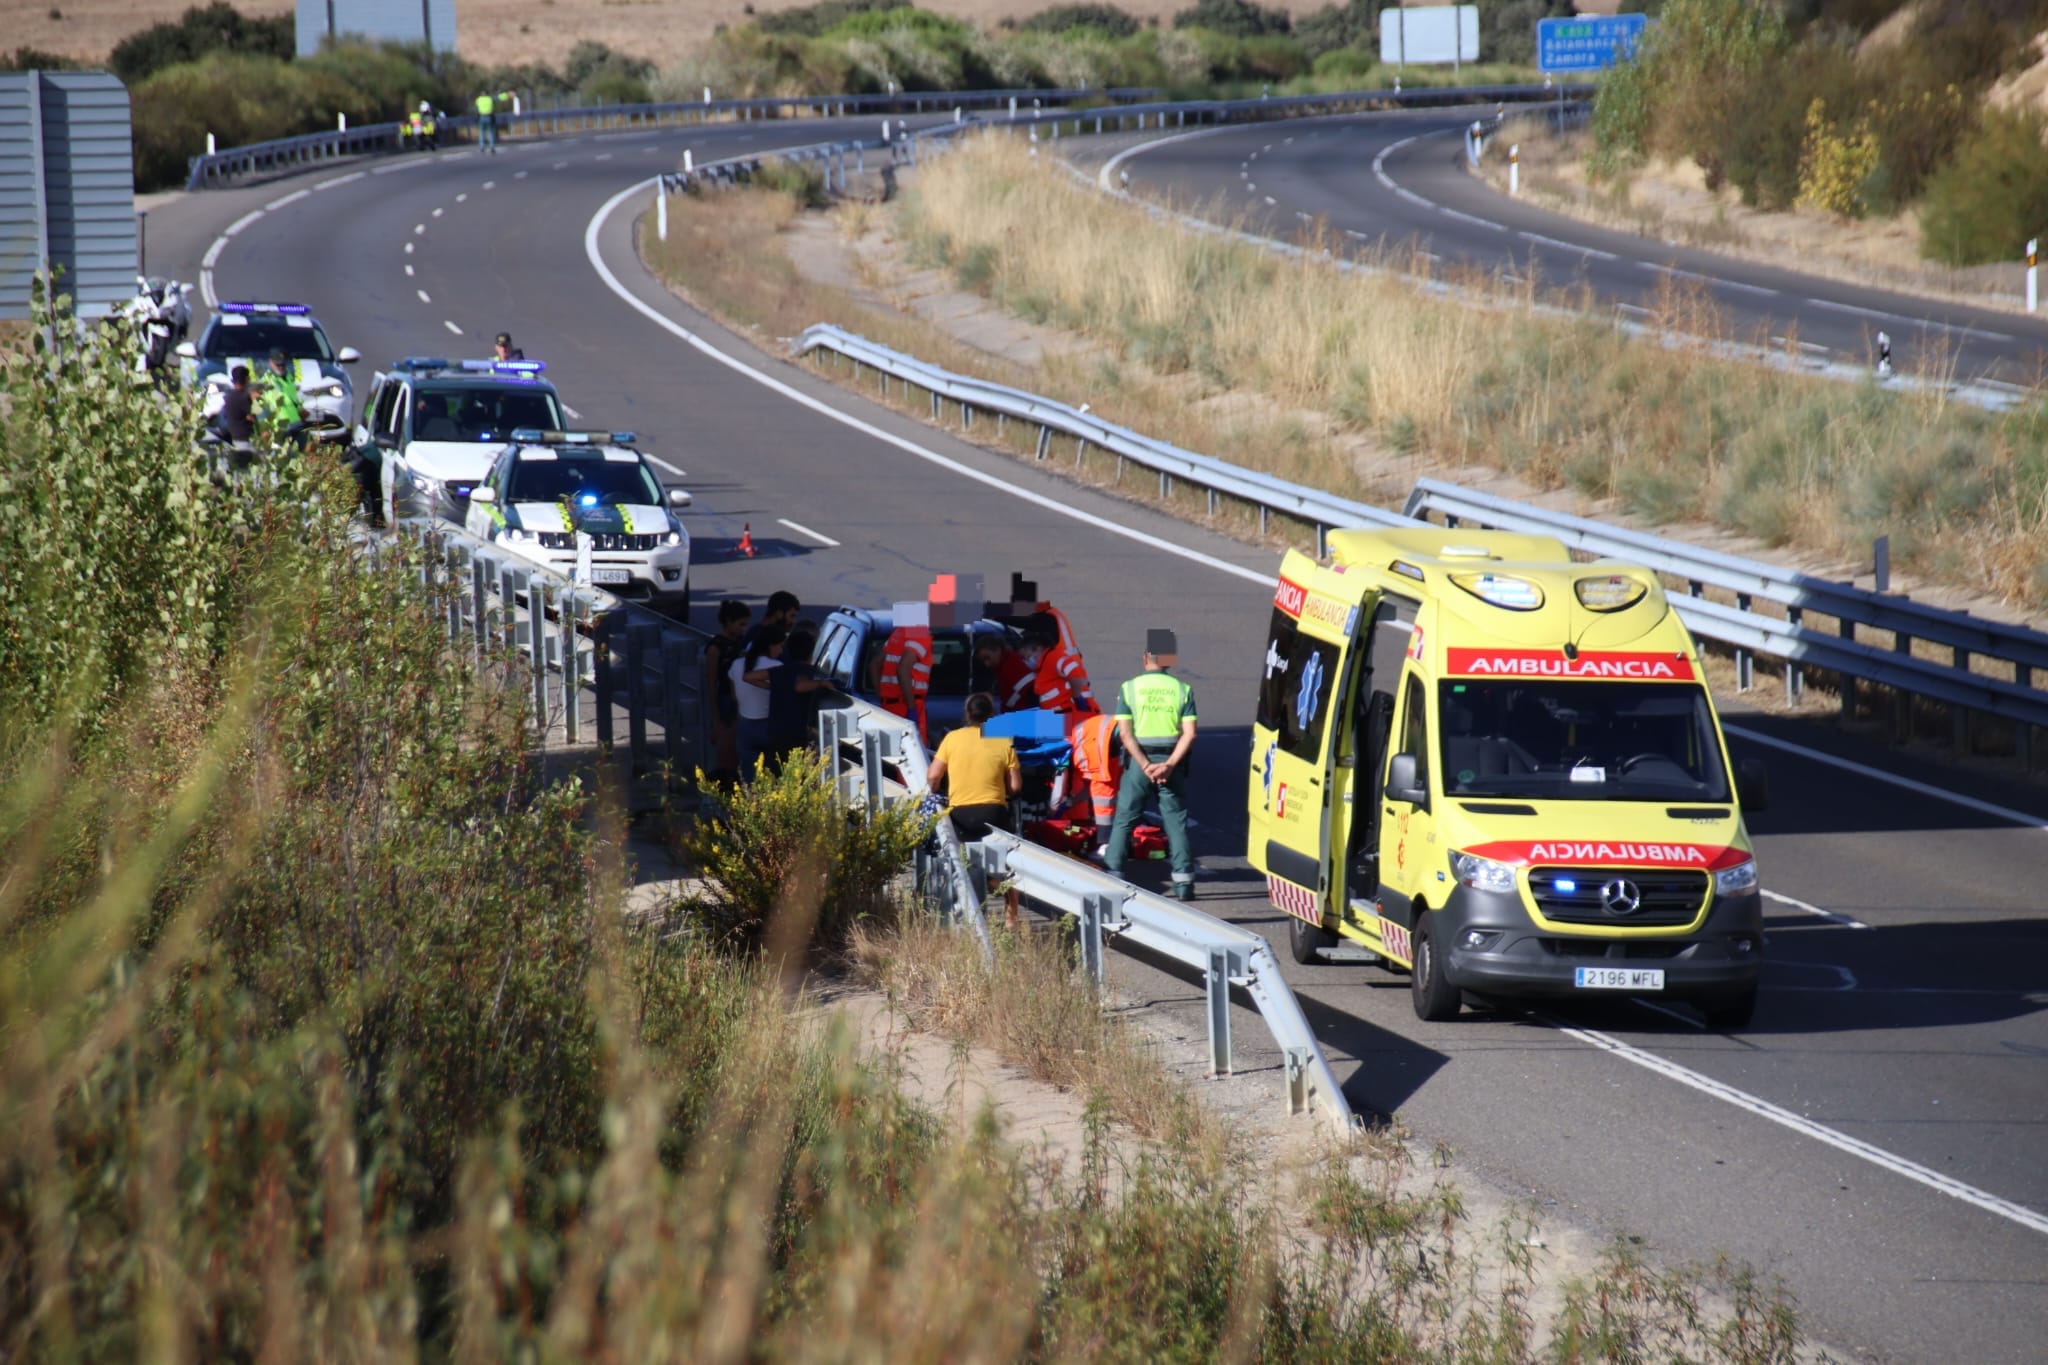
(1877,1139)
(1394,178)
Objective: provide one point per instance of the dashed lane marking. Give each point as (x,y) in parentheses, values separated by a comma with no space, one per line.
(423,295)
(437,213)
(452,327)
(348,179)
(294,197)
(804,530)
(1474,219)
(1539,238)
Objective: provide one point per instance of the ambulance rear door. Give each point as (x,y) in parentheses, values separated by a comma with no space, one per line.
(1306,681)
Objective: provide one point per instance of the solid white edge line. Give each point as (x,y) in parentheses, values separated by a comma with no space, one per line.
(2006,813)
(1856,1147)
(1650,1061)
(1846,921)
(350,178)
(212,256)
(451,327)
(909,447)
(235,227)
(206,289)
(1569,246)
(294,197)
(1474,219)
(804,530)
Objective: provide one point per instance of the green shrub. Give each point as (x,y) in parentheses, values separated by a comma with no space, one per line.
(218,27)
(808,21)
(1992,198)
(1347,64)
(33,59)
(1234,18)
(1106,20)
(1354,26)
(784,846)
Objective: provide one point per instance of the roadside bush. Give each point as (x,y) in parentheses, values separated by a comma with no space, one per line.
(32,59)
(809,21)
(218,27)
(1992,197)
(1235,18)
(783,846)
(1836,163)
(1353,25)
(1107,20)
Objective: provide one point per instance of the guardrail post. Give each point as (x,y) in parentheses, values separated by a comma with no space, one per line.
(1216,982)
(1297,1064)
(681,713)
(1847,630)
(1044,441)
(508,606)
(1095,912)
(636,698)
(1960,715)
(572,668)
(871,769)
(1795,679)
(1745,662)
(537,646)
(603,681)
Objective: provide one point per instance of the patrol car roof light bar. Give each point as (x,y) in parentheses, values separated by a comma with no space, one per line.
(244,306)
(520,367)
(534,436)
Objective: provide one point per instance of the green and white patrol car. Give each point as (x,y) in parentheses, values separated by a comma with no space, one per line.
(587,505)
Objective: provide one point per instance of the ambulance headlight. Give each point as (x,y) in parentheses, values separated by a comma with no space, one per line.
(1733,881)
(1483,874)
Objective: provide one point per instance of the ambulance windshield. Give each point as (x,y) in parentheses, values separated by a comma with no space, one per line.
(1584,741)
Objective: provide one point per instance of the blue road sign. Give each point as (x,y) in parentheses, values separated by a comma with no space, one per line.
(1589,42)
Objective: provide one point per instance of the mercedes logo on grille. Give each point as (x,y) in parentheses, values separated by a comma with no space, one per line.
(1621,897)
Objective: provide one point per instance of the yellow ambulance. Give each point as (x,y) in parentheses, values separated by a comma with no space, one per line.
(1502,771)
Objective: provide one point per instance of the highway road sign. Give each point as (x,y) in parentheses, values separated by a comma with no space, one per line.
(1589,42)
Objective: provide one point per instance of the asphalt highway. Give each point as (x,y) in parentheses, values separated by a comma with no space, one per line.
(1392,179)
(1877,1139)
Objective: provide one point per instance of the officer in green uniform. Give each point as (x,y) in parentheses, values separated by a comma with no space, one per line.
(1155,723)
(279,402)
(487,121)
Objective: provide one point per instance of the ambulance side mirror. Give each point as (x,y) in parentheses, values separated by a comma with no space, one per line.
(1403,783)
(483,492)
(1753,785)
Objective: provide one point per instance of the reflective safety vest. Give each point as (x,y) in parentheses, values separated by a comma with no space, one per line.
(485,105)
(1014,683)
(416,122)
(1062,683)
(280,399)
(1068,642)
(915,642)
(1155,703)
(1097,763)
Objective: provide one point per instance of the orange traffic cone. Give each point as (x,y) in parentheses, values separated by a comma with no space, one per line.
(747,540)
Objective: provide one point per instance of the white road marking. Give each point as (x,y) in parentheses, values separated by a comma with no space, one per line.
(654,459)
(560,166)
(2006,813)
(408,272)
(1269,198)
(519,175)
(1706,1085)
(1250,188)
(235,227)
(212,256)
(1846,921)
(846,419)
(1714,280)
(408,248)
(1856,1147)
(1304,217)
(350,178)
(423,295)
(490,184)
(461,199)
(437,213)
(294,197)
(576,416)
(418,229)
(1569,246)
(604,156)
(1813,346)
(206,289)
(452,327)
(804,530)
(1473,219)
(1633,308)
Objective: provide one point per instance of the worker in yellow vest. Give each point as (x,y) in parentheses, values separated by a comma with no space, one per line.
(487,107)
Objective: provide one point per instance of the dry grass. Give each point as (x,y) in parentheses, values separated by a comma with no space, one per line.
(507,31)
(1037,1011)
(1674,433)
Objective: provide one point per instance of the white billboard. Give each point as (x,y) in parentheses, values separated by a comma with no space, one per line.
(1430,34)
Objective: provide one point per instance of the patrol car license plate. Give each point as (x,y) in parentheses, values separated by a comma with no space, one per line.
(1619,978)
(611,575)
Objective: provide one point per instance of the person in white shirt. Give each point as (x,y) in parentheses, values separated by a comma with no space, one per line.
(750,687)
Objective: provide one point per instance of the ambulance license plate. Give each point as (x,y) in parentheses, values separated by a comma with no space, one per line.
(1619,978)
(611,575)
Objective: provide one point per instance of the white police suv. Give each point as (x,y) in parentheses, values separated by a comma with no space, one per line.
(588,505)
(436,426)
(245,333)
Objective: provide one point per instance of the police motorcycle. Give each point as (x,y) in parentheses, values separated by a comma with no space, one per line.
(420,131)
(161,315)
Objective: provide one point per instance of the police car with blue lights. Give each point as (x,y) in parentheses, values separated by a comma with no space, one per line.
(436,425)
(587,505)
(245,333)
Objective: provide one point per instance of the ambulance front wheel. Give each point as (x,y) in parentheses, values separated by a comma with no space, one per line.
(1307,942)
(1436,999)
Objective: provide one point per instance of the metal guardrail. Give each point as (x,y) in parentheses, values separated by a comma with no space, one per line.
(1112,910)
(574,637)
(1125,104)
(878,758)
(218,168)
(1745,630)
